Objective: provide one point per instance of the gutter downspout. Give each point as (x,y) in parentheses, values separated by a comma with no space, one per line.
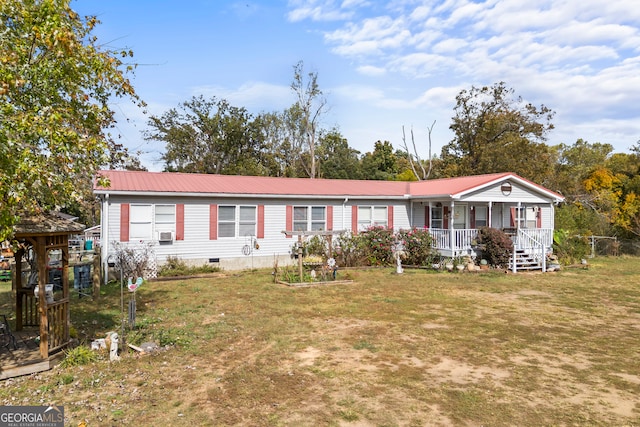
(344,206)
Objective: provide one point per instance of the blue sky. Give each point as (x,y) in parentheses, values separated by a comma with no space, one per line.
(383,65)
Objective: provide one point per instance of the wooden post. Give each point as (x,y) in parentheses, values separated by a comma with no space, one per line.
(66,294)
(17,279)
(41,254)
(300,269)
(96,273)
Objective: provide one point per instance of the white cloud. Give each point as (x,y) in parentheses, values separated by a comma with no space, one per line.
(321,10)
(254,96)
(370,70)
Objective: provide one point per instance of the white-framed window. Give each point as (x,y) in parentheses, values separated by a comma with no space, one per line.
(527,216)
(165,218)
(247,221)
(237,221)
(312,218)
(369,216)
(436,216)
(481,216)
(140,222)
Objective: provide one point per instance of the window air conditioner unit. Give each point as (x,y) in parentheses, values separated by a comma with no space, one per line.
(165,236)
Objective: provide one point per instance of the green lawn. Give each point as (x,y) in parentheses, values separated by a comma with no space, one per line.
(421,348)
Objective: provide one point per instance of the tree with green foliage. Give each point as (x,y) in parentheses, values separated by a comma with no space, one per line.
(56,84)
(574,165)
(381,164)
(495,132)
(209,136)
(336,159)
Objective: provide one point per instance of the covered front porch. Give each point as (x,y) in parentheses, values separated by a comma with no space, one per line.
(532,244)
(454,226)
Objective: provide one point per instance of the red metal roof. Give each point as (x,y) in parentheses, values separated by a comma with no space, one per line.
(173,182)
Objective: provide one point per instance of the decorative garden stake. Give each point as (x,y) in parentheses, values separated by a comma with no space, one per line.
(132,301)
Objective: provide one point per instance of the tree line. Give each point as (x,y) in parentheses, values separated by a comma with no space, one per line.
(494,131)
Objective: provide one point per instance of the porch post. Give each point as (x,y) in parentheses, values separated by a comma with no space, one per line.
(452,237)
(514,268)
(489,216)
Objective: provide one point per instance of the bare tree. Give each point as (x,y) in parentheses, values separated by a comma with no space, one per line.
(311,104)
(425,173)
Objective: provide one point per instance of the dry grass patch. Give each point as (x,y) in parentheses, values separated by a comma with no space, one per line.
(420,348)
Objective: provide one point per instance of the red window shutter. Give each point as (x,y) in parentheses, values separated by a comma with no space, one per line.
(213,222)
(180,221)
(427,217)
(472,217)
(260,222)
(445,217)
(354,219)
(390,217)
(289,220)
(539,218)
(513,217)
(124,222)
(329,218)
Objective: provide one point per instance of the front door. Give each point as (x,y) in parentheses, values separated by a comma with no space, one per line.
(459,217)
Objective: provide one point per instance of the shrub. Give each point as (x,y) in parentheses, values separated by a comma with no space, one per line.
(418,246)
(570,249)
(347,250)
(316,245)
(377,243)
(80,355)
(496,245)
(175,266)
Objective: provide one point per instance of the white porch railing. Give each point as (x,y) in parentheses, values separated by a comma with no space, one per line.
(536,240)
(462,239)
(532,238)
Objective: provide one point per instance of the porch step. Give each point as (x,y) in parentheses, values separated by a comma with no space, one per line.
(525,261)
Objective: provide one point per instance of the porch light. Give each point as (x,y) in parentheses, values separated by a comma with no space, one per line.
(506,188)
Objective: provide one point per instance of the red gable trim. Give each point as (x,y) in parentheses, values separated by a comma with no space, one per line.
(180,221)
(124,222)
(213,222)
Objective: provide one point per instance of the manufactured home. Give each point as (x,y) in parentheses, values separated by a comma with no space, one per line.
(241,222)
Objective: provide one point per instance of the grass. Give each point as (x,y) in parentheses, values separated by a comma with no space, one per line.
(421,348)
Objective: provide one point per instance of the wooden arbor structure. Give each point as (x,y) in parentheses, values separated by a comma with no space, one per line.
(37,236)
(327,234)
